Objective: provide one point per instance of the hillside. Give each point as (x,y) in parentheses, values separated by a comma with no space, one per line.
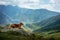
(15,14)
(52,23)
(12,35)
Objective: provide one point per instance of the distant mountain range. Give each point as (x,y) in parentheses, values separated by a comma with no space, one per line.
(52,23)
(15,14)
(37,20)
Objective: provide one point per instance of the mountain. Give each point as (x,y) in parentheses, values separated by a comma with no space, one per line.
(15,14)
(34,19)
(52,23)
(2,16)
(44,23)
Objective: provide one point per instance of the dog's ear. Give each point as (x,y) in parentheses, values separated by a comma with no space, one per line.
(20,23)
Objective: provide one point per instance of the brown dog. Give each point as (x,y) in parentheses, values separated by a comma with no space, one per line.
(16,25)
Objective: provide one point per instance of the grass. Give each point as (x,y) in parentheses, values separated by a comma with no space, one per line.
(12,35)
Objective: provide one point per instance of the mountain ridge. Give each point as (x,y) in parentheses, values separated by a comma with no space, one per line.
(16,14)
(55,25)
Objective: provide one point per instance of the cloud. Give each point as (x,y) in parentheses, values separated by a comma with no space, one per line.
(53,1)
(3,3)
(52,5)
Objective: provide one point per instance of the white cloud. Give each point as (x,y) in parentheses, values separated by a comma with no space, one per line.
(34,1)
(53,1)
(33,4)
(3,3)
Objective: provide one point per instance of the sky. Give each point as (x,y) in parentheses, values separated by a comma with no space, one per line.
(53,5)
